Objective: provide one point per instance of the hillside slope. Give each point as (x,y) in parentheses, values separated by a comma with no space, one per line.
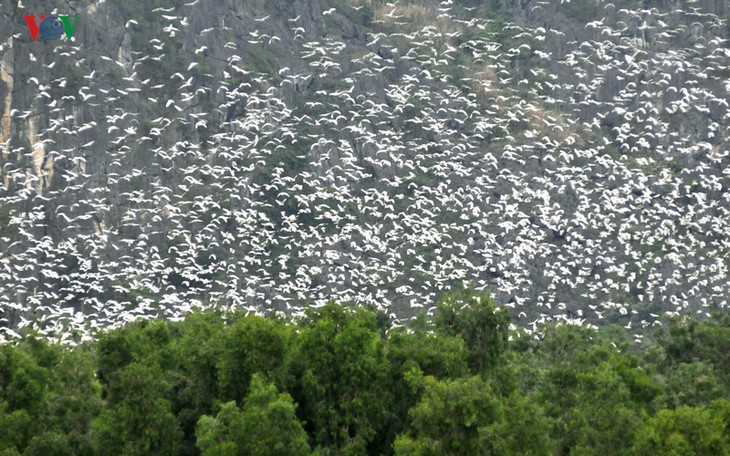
(569,157)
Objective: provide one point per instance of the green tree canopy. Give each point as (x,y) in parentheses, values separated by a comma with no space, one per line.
(342,370)
(252,344)
(686,431)
(453,417)
(139,420)
(266,426)
(475,318)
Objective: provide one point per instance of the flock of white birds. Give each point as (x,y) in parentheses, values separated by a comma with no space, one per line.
(379,170)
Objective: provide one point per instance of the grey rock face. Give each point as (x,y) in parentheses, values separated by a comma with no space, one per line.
(571,157)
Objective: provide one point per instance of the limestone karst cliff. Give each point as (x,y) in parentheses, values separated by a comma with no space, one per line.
(570,157)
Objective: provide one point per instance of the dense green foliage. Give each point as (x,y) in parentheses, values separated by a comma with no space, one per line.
(343,382)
